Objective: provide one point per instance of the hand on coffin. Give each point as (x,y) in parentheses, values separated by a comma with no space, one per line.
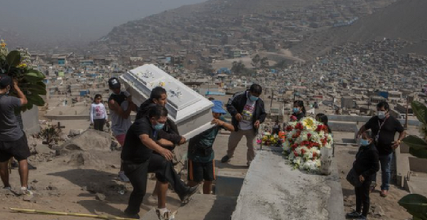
(217,122)
(183,140)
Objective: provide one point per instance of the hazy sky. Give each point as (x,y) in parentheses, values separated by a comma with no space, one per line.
(76,19)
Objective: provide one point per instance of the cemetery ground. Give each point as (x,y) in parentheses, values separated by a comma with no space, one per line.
(84,181)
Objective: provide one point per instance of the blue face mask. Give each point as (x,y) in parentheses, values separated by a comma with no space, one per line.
(295,110)
(253,98)
(159,126)
(364,142)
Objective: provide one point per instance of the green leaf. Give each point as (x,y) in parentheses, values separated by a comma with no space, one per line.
(417,146)
(36,99)
(420,110)
(415,204)
(13,58)
(37,73)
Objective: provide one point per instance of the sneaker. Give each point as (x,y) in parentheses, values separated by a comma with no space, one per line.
(165,214)
(28,194)
(7,188)
(225,159)
(384,193)
(190,192)
(123,177)
(353,215)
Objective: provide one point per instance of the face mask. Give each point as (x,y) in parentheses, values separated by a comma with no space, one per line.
(253,98)
(296,110)
(381,114)
(364,142)
(159,126)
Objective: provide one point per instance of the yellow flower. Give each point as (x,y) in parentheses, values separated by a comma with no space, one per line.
(309,123)
(2,44)
(22,65)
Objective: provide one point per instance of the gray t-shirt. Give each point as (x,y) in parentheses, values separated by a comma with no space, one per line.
(9,126)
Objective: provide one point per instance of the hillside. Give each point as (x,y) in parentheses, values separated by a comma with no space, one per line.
(201,33)
(404,20)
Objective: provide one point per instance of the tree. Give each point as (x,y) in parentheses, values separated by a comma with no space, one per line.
(264,62)
(238,67)
(256,60)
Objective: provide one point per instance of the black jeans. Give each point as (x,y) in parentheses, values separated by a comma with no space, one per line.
(98,124)
(362,197)
(137,174)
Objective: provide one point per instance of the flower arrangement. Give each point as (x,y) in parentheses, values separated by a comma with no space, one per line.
(269,139)
(303,142)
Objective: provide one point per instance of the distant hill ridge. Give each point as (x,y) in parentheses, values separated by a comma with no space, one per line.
(405,20)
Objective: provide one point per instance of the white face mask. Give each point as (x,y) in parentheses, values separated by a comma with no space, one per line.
(381,114)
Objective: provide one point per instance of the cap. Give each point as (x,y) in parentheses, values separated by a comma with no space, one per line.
(5,81)
(114,83)
(217,108)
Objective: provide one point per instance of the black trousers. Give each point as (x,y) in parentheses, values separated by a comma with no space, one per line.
(362,197)
(137,174)
(98,124)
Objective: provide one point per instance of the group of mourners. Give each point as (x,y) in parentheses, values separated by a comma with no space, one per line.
(147,144)
(377,145)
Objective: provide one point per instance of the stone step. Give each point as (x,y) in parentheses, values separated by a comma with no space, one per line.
(207,207)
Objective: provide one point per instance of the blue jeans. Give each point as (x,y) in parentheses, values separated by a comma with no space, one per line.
(385,161)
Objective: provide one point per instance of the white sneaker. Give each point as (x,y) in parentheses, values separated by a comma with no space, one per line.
(123,177)
(165,214)
(28,194)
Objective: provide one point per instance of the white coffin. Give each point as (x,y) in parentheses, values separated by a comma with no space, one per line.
(189,110)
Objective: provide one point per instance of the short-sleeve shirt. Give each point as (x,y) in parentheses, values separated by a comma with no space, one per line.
(386,135)
(202,143)
(133,149)
(9,126)
(120,125)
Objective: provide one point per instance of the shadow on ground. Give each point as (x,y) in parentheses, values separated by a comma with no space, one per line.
(94,181)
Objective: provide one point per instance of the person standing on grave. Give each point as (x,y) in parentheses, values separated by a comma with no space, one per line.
(98,114)
(13,141)
(120,105)
(248,112)
(384,127)
(365,165)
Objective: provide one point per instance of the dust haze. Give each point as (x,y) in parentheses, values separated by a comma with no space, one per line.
(45,21)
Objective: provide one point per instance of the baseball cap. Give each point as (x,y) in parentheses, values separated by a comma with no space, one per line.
(217,108)
(114,83)
(5,80)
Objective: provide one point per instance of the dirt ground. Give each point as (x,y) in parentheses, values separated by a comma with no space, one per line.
(86,182)
(381,208)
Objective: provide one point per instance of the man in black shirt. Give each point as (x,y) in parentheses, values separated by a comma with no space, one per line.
(138,159)
(384,127)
